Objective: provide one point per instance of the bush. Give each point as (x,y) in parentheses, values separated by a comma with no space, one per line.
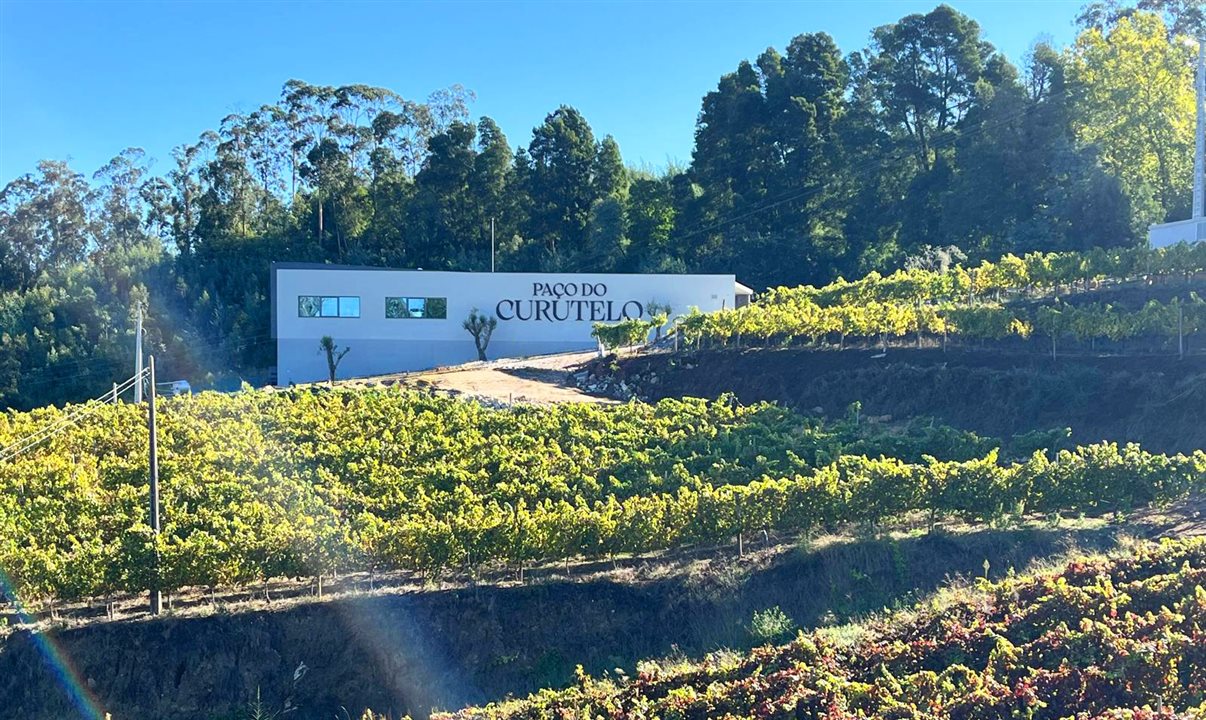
(771,625)
(625,333)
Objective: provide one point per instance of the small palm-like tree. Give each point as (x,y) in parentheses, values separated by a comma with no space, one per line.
(481,327)
(334,355)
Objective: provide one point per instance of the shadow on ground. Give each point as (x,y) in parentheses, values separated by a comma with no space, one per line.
(409,653)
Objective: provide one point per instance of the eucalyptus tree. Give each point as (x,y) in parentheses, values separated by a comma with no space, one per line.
(45,226)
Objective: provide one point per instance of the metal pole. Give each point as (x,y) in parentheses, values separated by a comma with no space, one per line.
(156,597)
(491,244)
(114,393)
(1199,157)
(138,358)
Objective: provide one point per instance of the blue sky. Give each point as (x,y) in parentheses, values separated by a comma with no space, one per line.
(83,80)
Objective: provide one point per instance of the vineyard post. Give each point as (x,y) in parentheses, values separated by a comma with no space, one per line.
(156,598)
(1180,331)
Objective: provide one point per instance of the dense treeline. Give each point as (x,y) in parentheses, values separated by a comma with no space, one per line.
(1099,639)
(261,485)
(808,164)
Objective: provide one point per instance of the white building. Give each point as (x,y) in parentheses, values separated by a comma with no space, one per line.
(1165,234)
(398,320)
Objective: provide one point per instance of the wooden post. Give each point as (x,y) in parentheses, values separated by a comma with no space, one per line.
(1180,331)
(156,599)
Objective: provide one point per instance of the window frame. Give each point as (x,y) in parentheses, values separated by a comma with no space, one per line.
(405,303)
(320,301)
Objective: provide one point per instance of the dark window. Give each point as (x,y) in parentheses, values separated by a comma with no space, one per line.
(416,307)
(345,306)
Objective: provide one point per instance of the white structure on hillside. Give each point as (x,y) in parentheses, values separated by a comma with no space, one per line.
(398,320)
(1193,229)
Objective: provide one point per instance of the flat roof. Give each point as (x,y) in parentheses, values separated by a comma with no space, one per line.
(376,268)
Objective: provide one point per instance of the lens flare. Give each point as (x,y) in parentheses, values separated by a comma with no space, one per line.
(56,660)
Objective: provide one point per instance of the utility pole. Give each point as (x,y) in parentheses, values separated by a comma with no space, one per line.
(138,358)
(1199,156)
(156,597)
(491,244)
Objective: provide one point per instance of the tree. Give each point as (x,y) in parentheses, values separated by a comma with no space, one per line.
(481,328)
(560,181)
(1024,183)
(609,176)
(121,203)
(44,224)
(1134,102)
(1183,17)
(651,214)
(764,198)
(334,355)
(443,216)
(607,236)
(925,69)
(493,185)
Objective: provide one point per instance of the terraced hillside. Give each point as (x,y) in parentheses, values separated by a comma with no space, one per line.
(1100,638)
(1157,401)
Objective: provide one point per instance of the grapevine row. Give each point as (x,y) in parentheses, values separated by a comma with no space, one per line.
(785,321)
(1034,274)
(259,485)
(962,302)
(1101,639)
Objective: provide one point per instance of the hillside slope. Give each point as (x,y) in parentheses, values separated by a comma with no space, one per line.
(1099,638)
(1157,401)
(413,651)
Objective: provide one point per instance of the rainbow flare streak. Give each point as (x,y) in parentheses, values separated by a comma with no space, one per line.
(81,698)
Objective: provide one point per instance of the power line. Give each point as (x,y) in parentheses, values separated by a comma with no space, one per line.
(87,408)
(31,441)
(46,377)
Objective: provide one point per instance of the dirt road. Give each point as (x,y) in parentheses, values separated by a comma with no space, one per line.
(541,380)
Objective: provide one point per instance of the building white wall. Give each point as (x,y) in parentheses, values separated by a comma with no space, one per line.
(560,314)
(1172,233)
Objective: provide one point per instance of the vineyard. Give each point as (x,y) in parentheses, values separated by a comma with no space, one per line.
(1022,298)
(304,484)
(1102,638)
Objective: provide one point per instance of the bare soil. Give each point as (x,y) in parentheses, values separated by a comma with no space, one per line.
(540,380)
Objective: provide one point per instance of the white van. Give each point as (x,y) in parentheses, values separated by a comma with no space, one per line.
(174,388)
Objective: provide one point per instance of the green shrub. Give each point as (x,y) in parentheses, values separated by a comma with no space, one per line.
(771,625)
